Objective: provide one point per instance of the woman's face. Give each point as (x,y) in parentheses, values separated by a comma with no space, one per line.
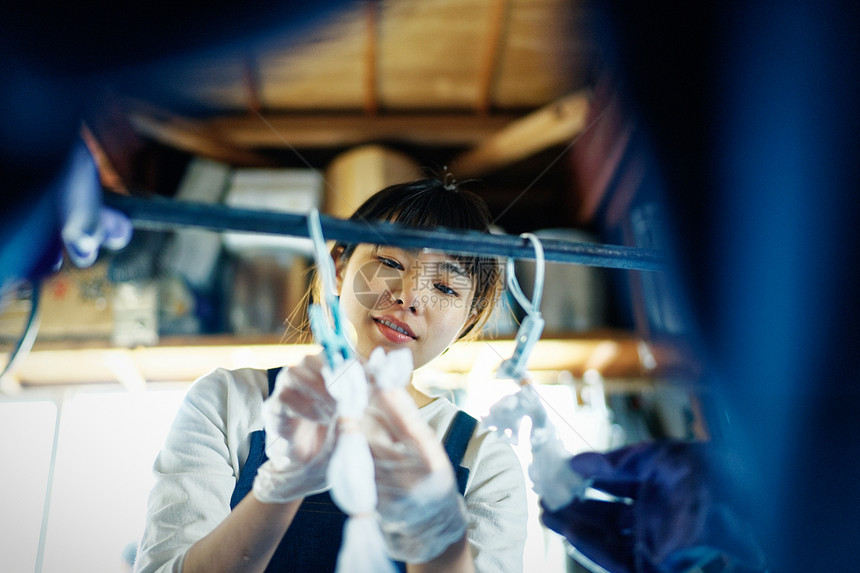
(398,298)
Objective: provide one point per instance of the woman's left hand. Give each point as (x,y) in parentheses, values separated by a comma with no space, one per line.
(420,510)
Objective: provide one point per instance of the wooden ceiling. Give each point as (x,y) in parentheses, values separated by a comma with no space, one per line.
(444,55)
(492,82)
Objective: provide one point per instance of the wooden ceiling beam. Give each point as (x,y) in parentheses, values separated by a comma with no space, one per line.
(557,123)
(489,65)
(371,100)
(192,136)
(337,130)
(108,174)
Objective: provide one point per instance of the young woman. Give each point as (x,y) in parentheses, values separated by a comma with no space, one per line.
(221,504)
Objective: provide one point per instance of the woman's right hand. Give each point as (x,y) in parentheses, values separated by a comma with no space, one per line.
(300,422)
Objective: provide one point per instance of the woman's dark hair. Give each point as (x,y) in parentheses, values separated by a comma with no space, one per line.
(432,203)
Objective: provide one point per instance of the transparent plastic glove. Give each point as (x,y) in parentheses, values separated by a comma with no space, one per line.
(420,511)
(506,415)
(299,419)
(555,482)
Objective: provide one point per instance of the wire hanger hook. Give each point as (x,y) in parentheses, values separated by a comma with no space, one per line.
(533,323)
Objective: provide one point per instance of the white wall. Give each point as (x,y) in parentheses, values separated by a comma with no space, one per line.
(107,441)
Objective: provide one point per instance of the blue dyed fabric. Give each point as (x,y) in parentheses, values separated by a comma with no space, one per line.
(681,518)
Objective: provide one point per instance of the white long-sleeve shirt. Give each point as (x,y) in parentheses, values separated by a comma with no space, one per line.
(196,471)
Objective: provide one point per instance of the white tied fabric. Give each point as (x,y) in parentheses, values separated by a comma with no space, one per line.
(351,475)
(420,511)
(299,418)
(554,481)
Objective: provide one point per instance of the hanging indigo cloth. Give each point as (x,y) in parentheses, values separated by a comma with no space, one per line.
(68,215)
(680,518)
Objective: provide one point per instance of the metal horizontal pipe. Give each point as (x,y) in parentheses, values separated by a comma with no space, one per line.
(161,213)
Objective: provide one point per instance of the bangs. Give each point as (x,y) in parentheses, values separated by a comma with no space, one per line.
(426,204)
(431,204)
(435,206)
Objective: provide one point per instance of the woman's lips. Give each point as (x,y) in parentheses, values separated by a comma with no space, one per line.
(394,330)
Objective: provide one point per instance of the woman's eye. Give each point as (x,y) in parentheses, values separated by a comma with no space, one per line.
(445,289)
(390,263)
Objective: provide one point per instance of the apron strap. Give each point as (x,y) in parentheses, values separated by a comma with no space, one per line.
(456,441)
(256,454)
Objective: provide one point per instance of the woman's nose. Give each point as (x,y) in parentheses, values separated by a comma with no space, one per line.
(408,293)
(411,306)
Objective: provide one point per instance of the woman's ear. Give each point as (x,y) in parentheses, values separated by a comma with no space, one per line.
(339,266)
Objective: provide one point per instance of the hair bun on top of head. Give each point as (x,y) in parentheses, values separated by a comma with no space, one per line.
(448,181)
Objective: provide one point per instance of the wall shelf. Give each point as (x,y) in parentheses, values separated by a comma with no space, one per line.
(178,359)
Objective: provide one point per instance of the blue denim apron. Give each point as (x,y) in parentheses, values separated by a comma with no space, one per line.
(313,540)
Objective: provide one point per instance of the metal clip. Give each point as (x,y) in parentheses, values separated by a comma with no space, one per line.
(325,317)
(527,336)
